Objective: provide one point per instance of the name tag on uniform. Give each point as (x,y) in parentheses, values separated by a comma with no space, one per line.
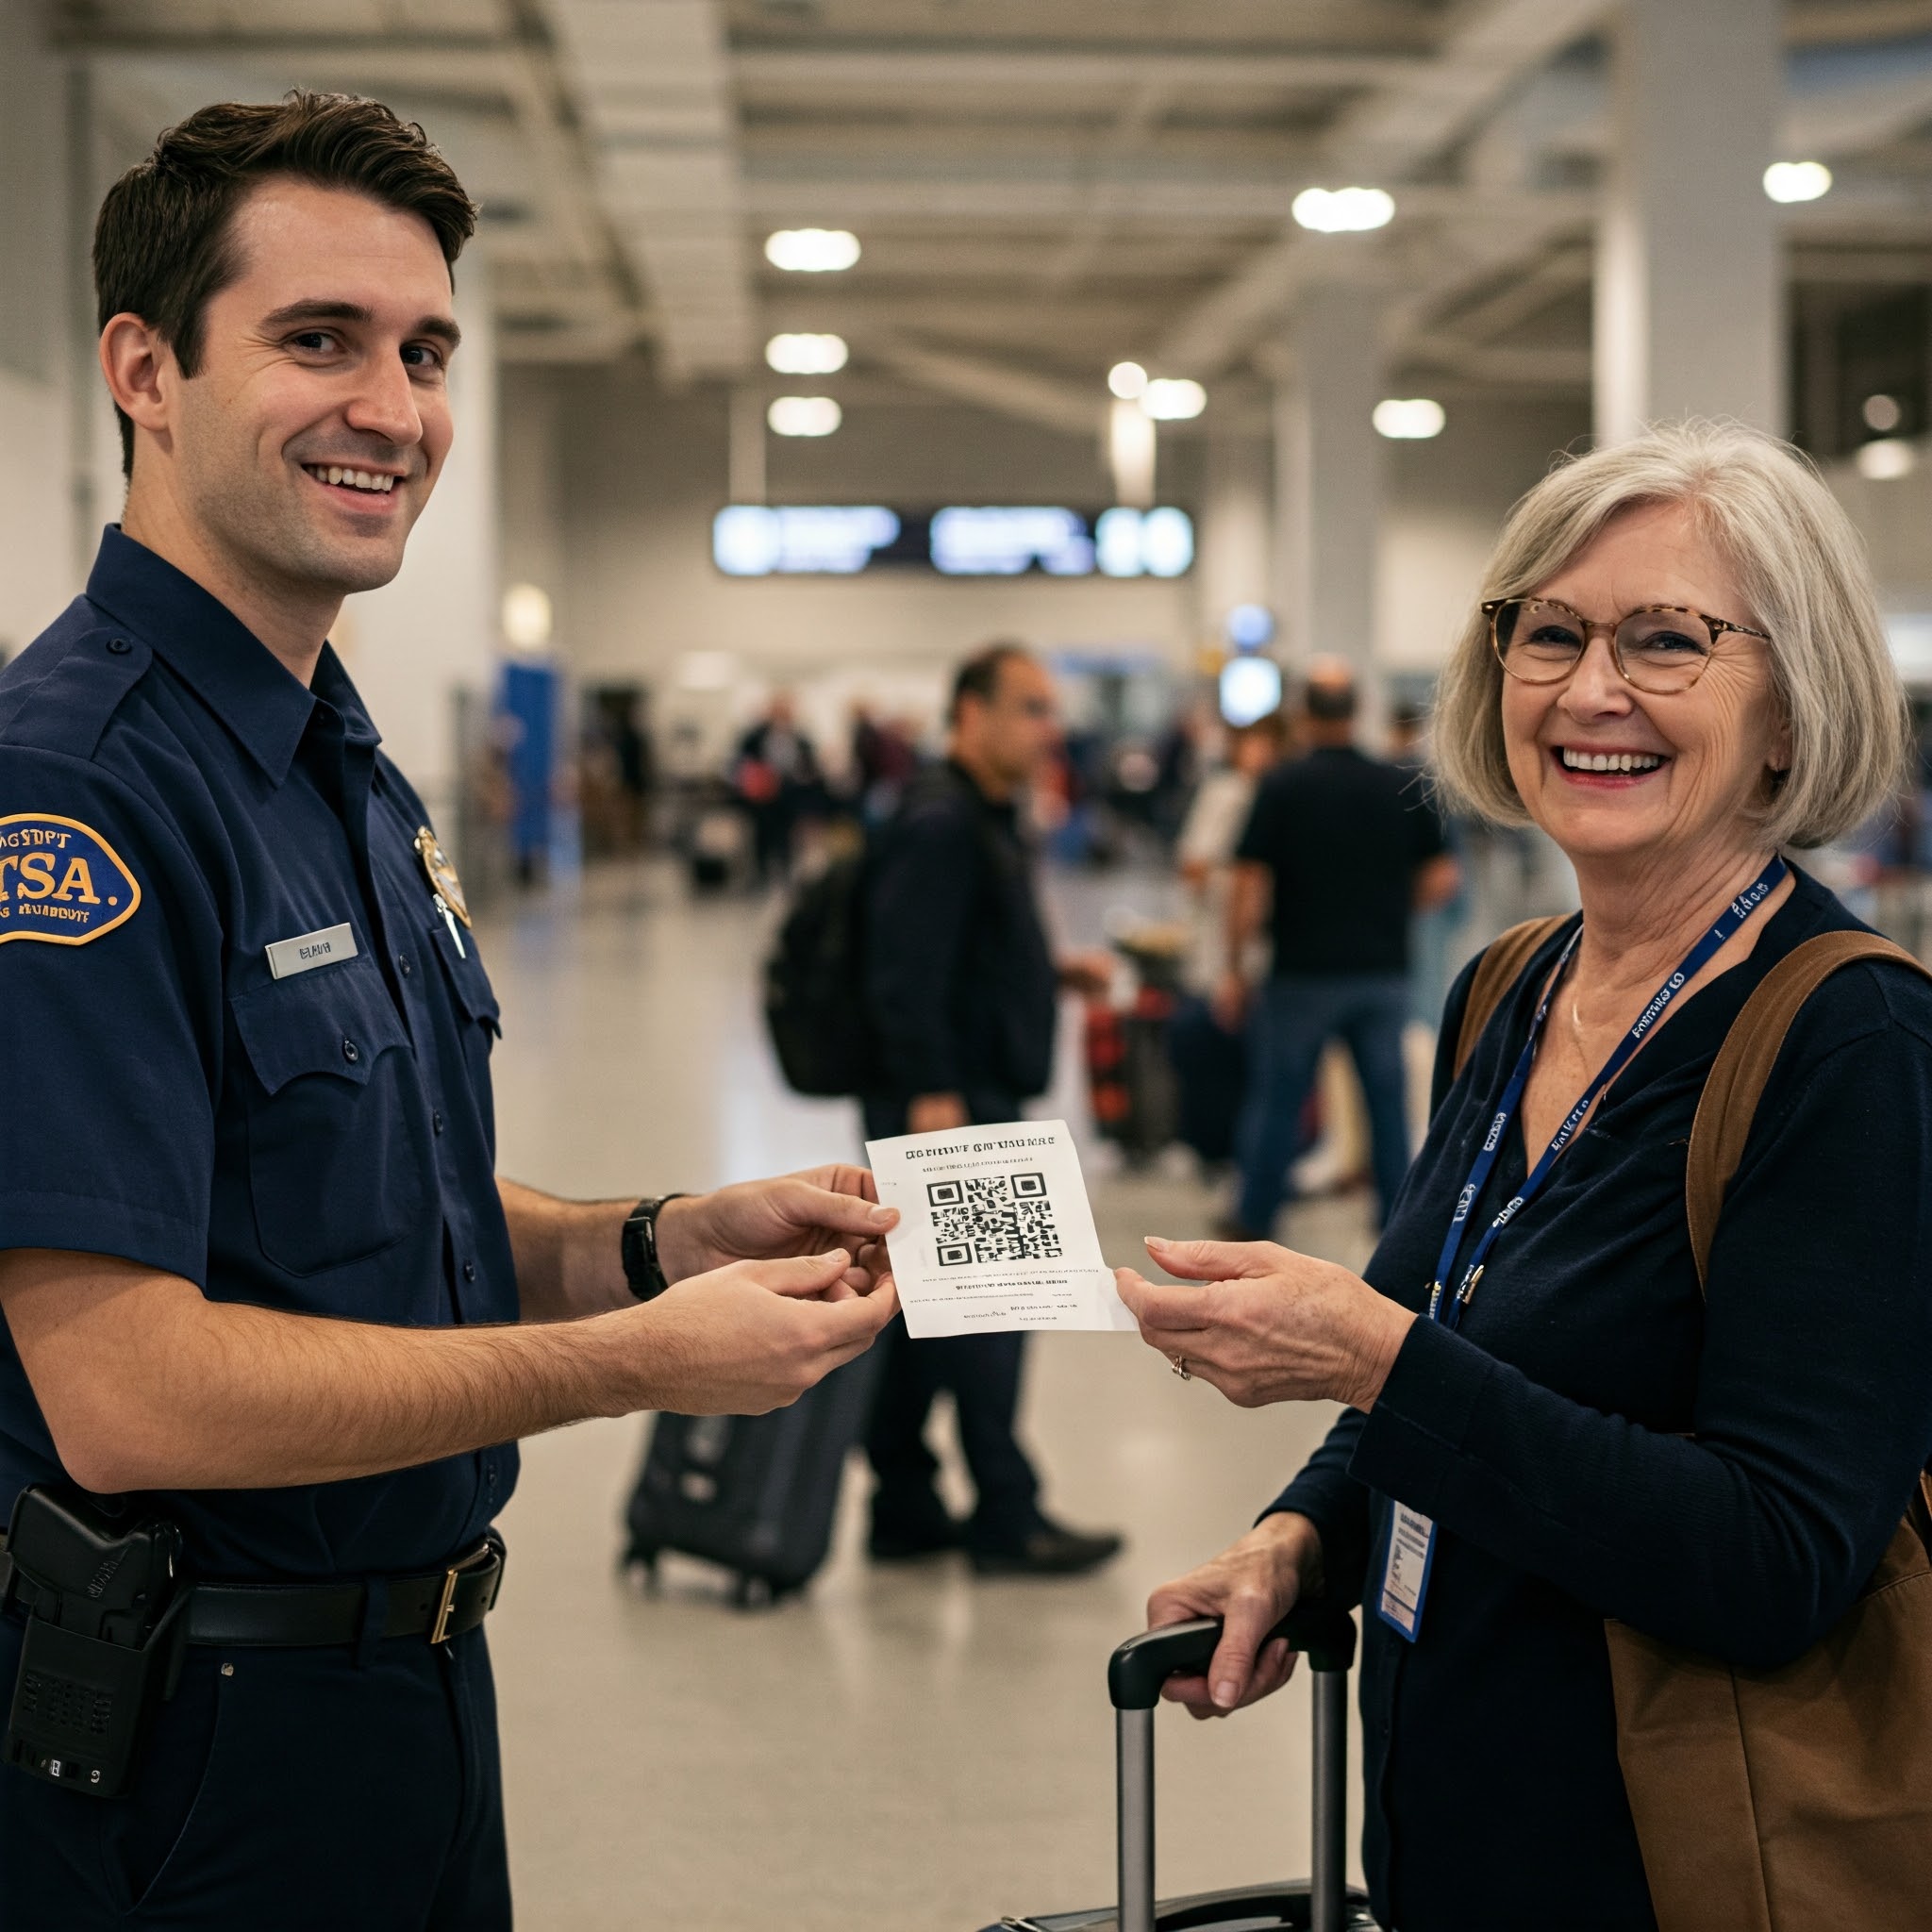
(1406,1576)
(313,949)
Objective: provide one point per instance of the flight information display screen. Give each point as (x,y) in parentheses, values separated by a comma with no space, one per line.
(754,540)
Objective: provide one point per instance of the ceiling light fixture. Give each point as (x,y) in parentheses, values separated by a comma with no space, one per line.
(1343,210)
(1887,460)
(1128,380)
(1882,413)
(1797,180)
(1174,398)
(526,617)
(804,415)
(812,251)
(1409,419)
(803,355)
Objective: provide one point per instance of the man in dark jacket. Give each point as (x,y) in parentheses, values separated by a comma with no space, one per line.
(962,990)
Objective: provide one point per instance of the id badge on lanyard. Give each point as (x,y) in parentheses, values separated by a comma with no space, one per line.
(1412,1534)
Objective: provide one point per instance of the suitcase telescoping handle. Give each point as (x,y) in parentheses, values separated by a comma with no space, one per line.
(1133,1676)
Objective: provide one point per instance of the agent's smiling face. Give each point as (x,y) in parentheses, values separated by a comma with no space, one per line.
(1611,773)
(318,418)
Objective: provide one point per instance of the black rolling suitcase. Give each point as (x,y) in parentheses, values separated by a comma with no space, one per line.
(757,1494)
(1323,1903)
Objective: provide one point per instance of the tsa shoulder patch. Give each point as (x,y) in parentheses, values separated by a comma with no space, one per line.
(60,881)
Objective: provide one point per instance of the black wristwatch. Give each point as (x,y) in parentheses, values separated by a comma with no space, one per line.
(642,1267)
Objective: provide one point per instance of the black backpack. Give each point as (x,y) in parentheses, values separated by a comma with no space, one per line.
(815,985)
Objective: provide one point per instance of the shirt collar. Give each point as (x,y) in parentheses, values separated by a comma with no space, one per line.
(239,679)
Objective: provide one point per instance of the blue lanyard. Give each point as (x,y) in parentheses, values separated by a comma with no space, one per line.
(1448,1310)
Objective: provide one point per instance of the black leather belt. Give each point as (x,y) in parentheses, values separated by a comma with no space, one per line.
(306,1616)
(301,1616)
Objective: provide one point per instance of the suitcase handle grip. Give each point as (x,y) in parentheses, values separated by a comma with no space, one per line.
(1137,1669)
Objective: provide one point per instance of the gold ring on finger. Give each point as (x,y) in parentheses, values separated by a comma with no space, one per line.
(1180,1367)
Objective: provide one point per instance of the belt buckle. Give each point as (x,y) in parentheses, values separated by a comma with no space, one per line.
(439,1631)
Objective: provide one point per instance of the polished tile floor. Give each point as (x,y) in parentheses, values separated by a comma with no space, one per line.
(903,1750)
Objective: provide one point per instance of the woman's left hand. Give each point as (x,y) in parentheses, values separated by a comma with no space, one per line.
(1262,1323)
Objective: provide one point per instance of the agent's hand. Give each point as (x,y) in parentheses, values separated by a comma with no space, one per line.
(751,1337)
(1251,1585)
(1263,1324)
(808,1213)
(934,1113)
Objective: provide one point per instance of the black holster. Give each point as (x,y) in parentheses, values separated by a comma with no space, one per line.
(99,1581)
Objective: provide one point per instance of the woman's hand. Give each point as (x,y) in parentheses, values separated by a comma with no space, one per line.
(1262,1323)
(1251,1585)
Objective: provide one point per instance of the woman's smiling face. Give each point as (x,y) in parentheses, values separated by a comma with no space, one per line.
(1713,743)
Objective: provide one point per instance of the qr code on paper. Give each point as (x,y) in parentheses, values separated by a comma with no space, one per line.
(1002,1217)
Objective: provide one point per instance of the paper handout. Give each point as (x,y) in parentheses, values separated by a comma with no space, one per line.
(994,1231)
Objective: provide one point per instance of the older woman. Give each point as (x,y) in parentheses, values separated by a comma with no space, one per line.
(1677,672)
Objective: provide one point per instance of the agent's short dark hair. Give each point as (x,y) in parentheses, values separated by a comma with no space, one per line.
(163,245)
(980,676)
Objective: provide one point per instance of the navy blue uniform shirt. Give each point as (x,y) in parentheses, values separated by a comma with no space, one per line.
(1551,1437)
(320,1143)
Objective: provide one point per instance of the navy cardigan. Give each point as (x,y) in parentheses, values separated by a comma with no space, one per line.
(1551,1437)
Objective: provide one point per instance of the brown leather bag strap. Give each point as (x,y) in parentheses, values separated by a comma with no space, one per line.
(1498,970)
(1744,1062)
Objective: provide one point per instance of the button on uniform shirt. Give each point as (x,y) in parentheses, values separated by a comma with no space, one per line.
(1343,835)
(173,804)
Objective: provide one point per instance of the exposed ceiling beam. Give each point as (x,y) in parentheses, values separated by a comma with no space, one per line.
(1488,48)
(1877,267)
(1063,405)
(651,80)
(1559,272)
(1555,367)
(1147,100)
(1848,120)
(1133,191)
(1857,20)
(895,71)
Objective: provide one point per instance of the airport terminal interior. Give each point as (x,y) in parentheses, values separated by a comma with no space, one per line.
(808,346)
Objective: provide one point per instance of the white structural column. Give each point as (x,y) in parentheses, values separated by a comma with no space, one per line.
(1328,477)
(1232,566)
(1689,280)
(42,542)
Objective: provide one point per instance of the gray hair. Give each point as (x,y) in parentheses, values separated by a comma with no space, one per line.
(1798,560)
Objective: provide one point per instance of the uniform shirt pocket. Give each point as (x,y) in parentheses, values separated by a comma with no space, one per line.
(335,1166)
(470,984)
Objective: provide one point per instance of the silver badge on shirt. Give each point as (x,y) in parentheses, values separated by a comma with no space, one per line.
(313,949)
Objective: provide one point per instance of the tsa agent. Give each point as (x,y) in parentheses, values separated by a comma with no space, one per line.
(273,1325)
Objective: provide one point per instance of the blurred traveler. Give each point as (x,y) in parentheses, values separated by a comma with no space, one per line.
(1346,848)
(775,773)
(962,992)
(884,757)
(1205,852)
(266,1305)
(1210,1058)
(1437,927)
(1647,1475)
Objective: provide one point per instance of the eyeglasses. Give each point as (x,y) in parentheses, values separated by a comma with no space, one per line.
(1661,648)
